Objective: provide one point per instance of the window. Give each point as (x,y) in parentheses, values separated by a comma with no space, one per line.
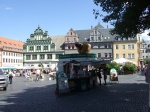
(45,48)
(110,55)
(72,47)
(92,39)
(71,33)
(68,47)
(117,56)
(123,56)
(67,39)
(57,56)
(42,56)
(123,46)
(3,53)
(95,32)
(38,47)
(109,46)
(99,38)
(74,39)
(49,56)
(3,59)
(105,45)
(99,55)
(28,57)
(131,46)
(130,56)
(117,47)
(105,55)
(34,57)
(31,48)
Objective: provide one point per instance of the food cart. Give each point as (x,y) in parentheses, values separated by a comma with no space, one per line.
(73,72)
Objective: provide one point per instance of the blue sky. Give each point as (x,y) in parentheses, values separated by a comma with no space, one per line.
(20,18)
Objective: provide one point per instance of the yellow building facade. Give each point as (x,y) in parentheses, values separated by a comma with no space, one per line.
(128,49)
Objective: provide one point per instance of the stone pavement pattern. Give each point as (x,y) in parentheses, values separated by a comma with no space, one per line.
(129,95)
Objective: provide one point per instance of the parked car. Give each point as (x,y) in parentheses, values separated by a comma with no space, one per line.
(3,80)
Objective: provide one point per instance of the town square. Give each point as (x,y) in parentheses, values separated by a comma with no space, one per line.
(74,56)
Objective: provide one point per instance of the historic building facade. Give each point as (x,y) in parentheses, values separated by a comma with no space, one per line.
(129,48)
(11,53)
(40,50)
(146,49)
(99,37)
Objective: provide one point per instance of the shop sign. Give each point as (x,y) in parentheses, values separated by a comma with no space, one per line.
(63,56)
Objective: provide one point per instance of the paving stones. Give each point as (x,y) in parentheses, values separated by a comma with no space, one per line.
(129,95)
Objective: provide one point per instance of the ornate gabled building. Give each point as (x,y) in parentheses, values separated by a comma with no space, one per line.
(99,37)
(40,50)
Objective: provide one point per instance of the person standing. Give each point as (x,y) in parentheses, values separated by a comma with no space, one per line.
(105,76)
(99,75)
(38,73)
(10,75)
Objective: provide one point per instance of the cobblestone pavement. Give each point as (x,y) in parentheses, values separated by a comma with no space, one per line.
(129,95)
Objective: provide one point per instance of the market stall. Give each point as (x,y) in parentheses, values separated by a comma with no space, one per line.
(74,72)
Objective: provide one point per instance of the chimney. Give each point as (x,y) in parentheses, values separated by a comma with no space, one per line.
(91,27)
(107,26)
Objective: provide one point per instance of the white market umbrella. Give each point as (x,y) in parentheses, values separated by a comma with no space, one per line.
(123,60)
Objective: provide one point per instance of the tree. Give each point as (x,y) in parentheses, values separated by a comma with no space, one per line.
(113,65)
(147,60)
(128,17)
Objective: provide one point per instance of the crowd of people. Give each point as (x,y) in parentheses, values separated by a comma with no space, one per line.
(27,73)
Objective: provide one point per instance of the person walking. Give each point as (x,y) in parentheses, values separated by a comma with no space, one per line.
(10,76)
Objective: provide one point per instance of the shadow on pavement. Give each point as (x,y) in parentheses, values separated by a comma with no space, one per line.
(110,98)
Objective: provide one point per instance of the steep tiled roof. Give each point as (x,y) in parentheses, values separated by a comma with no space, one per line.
(58,40)
(11,43)
(85,34)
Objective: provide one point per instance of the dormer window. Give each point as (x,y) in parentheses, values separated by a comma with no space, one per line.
(92,39)
(71,33)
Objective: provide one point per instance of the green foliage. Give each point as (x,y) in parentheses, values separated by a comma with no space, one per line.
(113,65)
(129,67)
(147,61)
(129,17)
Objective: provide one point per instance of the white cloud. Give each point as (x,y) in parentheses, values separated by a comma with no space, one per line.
(8,8)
